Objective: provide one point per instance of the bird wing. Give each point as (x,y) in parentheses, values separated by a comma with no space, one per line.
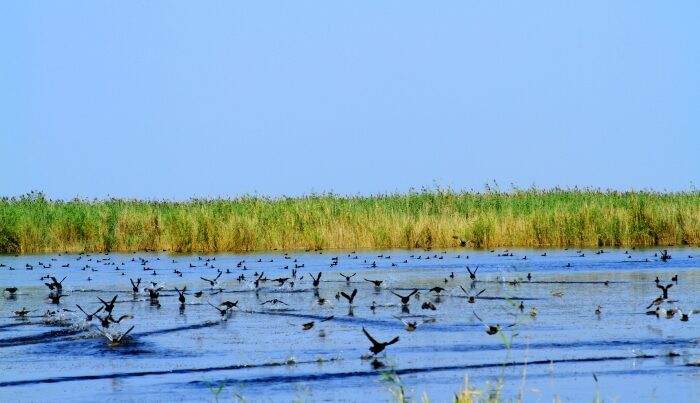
(346,296)
(125,333)
(206,279)
(465,291)
(394,340)
(354,292)
(375,342)
(404,322)
(412,292)
(101,300)
(481,292)
(113,300)
(81,310)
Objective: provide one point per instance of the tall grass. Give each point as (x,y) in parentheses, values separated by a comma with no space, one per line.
(586,218)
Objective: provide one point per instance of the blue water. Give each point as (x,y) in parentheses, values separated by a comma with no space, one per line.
(261,352)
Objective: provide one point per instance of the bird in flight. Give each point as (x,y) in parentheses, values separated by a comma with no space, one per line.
(378,347)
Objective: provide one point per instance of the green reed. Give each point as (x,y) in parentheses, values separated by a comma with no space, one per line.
(429,218)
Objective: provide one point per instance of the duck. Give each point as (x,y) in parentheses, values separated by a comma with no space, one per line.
(405,299)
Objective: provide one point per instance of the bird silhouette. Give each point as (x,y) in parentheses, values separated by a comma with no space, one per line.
(472,275)
(212,282)
(350,297)
(405,299)
(378,347)
(664,289)
(316,280)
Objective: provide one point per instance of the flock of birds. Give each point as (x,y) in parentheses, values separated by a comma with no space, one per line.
(104,317)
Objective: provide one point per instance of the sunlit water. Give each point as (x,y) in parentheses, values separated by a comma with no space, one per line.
(261,352)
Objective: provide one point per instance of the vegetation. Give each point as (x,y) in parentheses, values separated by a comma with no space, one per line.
(429,218)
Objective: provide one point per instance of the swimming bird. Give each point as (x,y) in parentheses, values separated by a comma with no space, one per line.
(350,297)
(317,279)
(436,290)
(405,299)
(347,278)
(212,282)
(377,283)
(472,275)
(598,310)
(472,298)
(428,305)
(108,306)
(490,329)
(675,278)
(521,306)
(664,289)
(533,311)
(378,347)
(88,316)
(11,290)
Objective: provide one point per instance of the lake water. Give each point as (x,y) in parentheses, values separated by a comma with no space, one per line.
(261,352)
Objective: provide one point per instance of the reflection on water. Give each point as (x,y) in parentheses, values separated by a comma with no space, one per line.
(279,342)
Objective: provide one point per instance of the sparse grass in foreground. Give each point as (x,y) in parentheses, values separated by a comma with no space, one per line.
(553,218)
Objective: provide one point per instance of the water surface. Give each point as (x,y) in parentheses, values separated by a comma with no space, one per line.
(262,352)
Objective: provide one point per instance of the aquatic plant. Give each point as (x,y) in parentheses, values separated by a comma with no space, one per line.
(417,219)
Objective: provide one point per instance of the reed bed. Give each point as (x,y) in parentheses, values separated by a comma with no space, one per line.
(527,218)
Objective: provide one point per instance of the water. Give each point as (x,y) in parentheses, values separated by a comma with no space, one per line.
(262,353)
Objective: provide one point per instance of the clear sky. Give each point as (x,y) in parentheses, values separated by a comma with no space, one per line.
(166,99)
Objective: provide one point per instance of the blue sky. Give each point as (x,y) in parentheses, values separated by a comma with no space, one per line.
(178,99)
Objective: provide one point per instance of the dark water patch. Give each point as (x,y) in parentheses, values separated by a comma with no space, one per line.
(46,337)
(163,372)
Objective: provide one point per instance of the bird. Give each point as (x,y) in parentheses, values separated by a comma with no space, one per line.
(490,329)
(135,286)
(377,283)
(472,298)
(11,290)
(181,296)
(223,311)
(56,298)
(378,347)
(212,282)
(436,290)
(657,301)
(153,294)
(108,306)
(115,340)
(229,304)
(274,301)
(472,275)
(347,278)
(428,305)
(350,297)
(88,316)
(410,326)
(686,316)
(598,310)
(316,279)
(22,313)
(664,289)
(405,299)
(675,278)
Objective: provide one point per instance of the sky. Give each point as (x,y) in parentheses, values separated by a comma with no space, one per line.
(175,99)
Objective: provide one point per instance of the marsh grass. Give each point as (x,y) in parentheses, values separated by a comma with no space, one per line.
(429,218)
